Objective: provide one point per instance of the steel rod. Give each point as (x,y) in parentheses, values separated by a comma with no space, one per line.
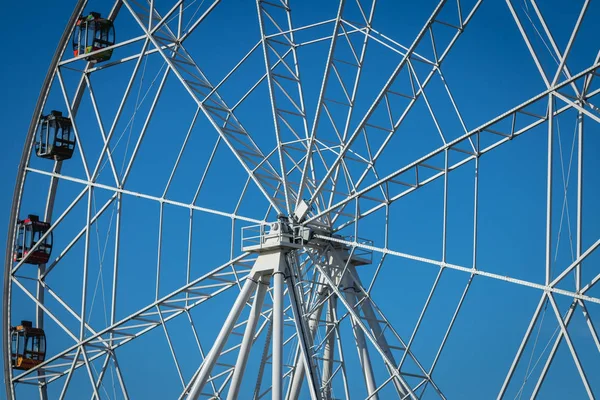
(210,360)
(244,352)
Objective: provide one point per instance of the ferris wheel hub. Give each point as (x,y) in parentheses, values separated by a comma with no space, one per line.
(284,235)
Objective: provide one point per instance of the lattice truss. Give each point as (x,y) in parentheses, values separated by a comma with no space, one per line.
(449,134)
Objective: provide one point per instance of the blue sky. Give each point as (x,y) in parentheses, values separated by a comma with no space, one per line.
(489,71)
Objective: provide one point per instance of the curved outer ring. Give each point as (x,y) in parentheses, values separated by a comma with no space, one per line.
(19,183)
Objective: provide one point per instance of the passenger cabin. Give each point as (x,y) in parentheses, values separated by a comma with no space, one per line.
(28,346)
(93,33)
(29,233)
(55,139)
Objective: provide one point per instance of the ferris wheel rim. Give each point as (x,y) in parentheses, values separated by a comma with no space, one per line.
(17,195)
(18,191)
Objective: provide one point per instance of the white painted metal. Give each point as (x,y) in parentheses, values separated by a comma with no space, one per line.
(320,175)
(361,346)
(240,365)
(213,354)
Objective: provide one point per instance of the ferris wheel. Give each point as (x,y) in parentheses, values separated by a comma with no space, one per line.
(324,200)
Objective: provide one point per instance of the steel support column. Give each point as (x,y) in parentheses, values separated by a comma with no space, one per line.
(213,355)
(242,359)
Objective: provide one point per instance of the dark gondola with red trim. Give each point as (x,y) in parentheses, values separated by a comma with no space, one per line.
(29,245)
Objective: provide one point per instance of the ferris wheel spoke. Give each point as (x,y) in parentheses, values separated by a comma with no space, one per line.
(565,69)
(157,199)
(287,99)
(534,55)
(107,139)
(542,376)
(161,23)
(202,354)
(181,151)
(77,136)
(342,51)
(51,374)
(117,370)
(519,352)
(306,289)
(51,228)
(85,82)
(412,90)
(431,167)
(144,320)
(298,44)
(562,56)
(375,318)
(214,108)
(139,58)
(102,132)
(75,239)
(120,378)
(15,280)
(580,295)
(99,380)
(70,373)
(90,374)
(590,323)
(166,332)
(369,121)
(55,371)
(362,330)
(572,350)
(144,128)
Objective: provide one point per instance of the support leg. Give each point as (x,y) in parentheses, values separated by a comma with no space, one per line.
(329,348)
(240,364)
(213,355)
(313,324)
(304,339)
(373,323)
(277,359)
(361,345)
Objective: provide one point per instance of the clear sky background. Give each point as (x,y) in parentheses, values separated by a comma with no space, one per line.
(489,72)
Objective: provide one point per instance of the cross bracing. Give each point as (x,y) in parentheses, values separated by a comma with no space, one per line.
(349,127)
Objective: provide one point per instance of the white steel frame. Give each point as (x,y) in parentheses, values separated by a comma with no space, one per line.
(303,295)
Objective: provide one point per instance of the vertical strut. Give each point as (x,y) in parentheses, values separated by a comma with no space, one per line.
(329,348)
(213,355)
(313,324)
(549,191)
(371,318)
(579,198)
(361,343)
(277,359)
(352,281)
(305,335)
(338,339)
(515,362)
(242,359)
